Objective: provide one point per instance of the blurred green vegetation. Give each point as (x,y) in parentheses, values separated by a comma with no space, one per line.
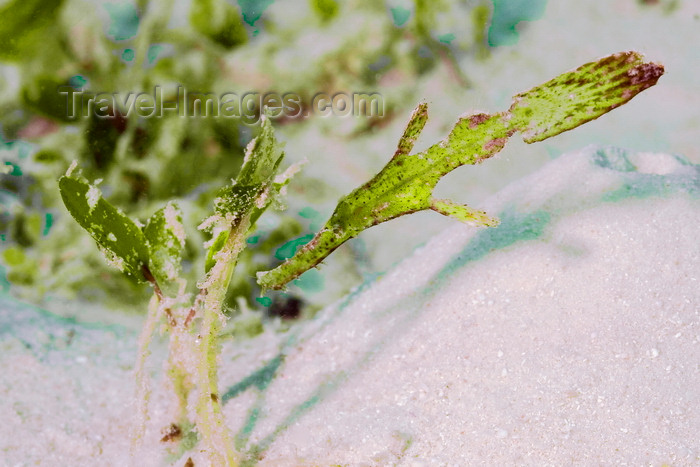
(207,45)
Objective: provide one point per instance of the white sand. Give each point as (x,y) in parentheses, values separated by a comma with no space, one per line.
(569,335)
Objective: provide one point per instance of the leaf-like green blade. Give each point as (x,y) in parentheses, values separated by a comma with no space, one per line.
(415,125)
(582,95)
(217,243)
(251,192)
(406,183)
(462,213)
(165,236)
(403,186)
(236,199)
(263,157)
(118,236)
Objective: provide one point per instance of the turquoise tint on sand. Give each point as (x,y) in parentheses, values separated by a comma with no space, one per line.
(253,9)
(124,22)
(287,250)
(507,14)
(400,15)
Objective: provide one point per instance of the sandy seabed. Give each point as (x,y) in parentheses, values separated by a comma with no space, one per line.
(568,335)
